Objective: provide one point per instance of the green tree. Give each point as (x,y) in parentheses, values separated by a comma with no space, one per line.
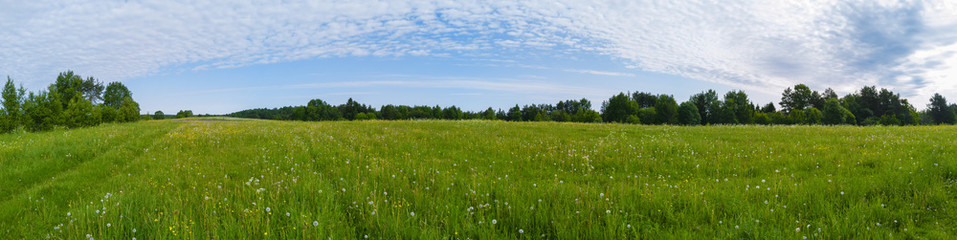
(158,115)
(92,90)
(515,113)
(688,114)
(645,100)
(114,94)
(129,110)
(798,99)
(648,116)
(81,113)
(812,116)
(739,105)
(12,115)
(666,109)
(834,113)
(939,111)
(489,114)
(618,108)
(708,105)
(43,111)
(107,113)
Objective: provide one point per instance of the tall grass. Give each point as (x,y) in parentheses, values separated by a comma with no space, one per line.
(478,180)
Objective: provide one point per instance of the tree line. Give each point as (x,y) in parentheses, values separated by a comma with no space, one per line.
(70,102)
(799,106)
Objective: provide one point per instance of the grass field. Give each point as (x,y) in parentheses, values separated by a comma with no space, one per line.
(477,180)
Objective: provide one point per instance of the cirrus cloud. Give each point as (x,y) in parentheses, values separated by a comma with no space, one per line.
(908,46)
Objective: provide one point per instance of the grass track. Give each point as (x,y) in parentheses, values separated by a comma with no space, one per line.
(216,179)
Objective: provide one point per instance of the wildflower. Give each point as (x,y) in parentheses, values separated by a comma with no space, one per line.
(412,214)
(494,221)
(607,211)
(797,229)
(315,223)
(268,210)
(520,231)
(109,225)
(134,230)
(287,214)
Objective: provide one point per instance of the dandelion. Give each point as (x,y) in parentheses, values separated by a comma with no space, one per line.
(287,214)
(412,214)
(520,231)
(607,211)
(134,230)
(842,192)
(494,221)
(628,226)
(68,214)
(268,210)
(797,229)
(315,223)
(109,225)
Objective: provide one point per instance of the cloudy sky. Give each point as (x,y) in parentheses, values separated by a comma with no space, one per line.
(225,56)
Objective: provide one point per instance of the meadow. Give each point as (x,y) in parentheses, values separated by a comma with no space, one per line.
(252,179)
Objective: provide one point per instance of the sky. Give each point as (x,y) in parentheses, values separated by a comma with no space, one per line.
(224,56)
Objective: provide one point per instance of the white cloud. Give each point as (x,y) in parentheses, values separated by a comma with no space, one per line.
(603,73)
(754,45)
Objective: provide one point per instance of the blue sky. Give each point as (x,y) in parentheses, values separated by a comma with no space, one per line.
(225,56)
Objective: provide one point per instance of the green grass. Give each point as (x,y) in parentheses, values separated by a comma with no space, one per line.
(478,180)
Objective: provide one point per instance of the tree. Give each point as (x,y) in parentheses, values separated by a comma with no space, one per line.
(618,108)
(739,105)
(81,113)
(644,100)
(688,114)
(43,111)
(12,114)
(129,110)
(92,90)
(768,108)
(67,86)
(489,114)
(812,116)
(798,99)
(114,95)
(648,116)
(939,111)
(708,105)
(184,114)
(834,113)
(666,109)
(515,114)
(158,115)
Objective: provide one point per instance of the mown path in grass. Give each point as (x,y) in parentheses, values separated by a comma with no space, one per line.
(477,179)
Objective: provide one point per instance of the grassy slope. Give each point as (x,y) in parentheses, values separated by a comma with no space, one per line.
(351,179)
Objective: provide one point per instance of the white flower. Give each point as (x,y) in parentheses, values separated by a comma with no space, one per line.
(842,192)
(315,223)
(134,230)
(607,211)
(494,221)
(287,214)
(797,229)
(109,225)
(412,214)
(68,214)
(268,210)
(521,231)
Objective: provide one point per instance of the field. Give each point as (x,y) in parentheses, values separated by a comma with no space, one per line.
(238,179)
